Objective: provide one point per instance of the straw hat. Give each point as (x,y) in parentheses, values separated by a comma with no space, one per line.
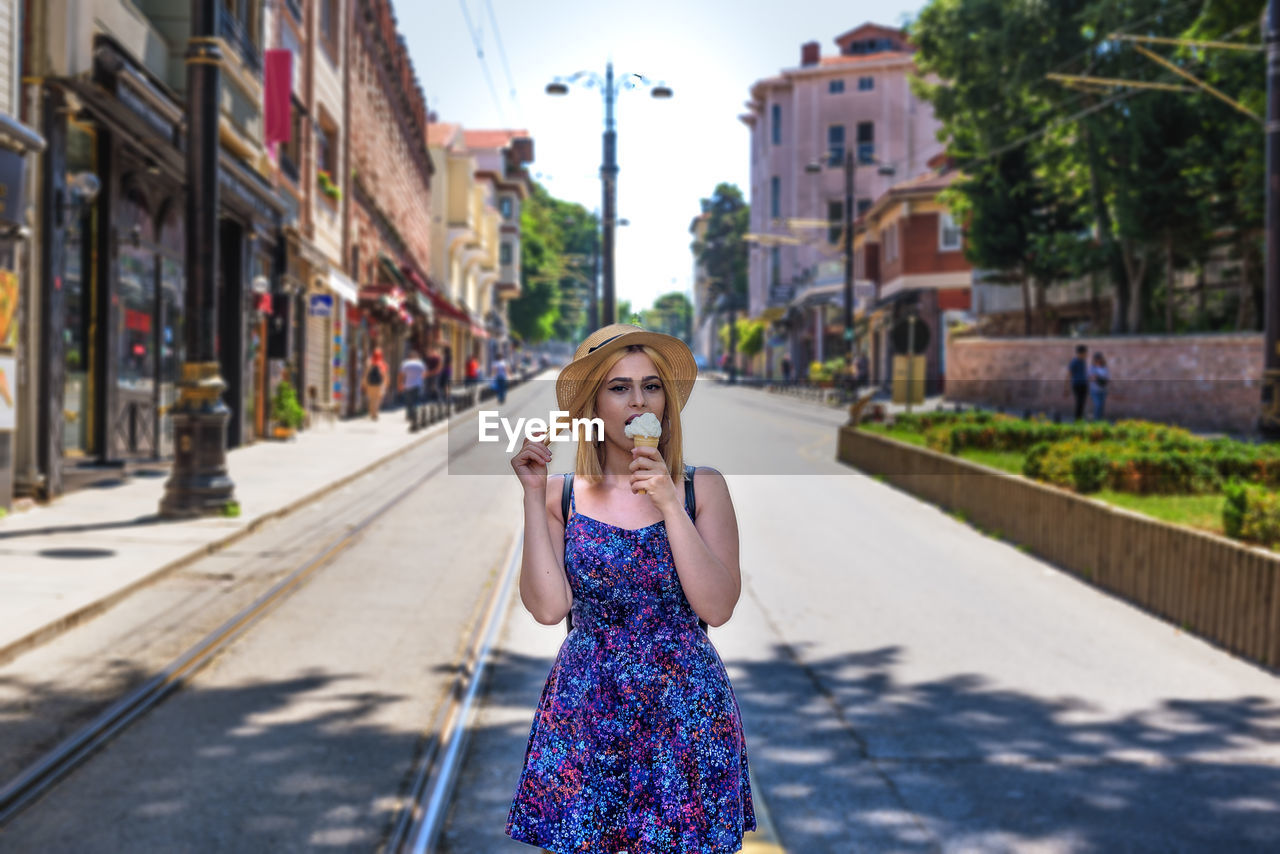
(609,339)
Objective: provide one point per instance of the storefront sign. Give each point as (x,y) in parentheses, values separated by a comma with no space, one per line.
(8,393)
(8,310)
(320,305)
(13,172)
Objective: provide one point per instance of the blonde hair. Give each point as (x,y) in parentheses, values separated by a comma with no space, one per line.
(589,463)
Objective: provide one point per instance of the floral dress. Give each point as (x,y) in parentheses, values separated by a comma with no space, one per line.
(637,742)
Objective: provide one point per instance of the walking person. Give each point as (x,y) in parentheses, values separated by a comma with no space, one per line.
(786,369)
(472,370)
(864,370)
(637,743)
(446,376)
(375,381)
(412,373)
(1099,376)
(1078,379)
(500,378)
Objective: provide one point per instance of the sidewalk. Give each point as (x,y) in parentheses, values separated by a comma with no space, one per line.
(65,561)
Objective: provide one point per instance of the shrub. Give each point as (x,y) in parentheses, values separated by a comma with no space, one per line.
(285,409)
(1089,471)
(1261,523)
(1233,508)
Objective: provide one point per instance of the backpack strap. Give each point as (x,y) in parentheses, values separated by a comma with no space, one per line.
(565,495)
(690,500)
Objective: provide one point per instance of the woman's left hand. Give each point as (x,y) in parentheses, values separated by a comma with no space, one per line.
(649,474)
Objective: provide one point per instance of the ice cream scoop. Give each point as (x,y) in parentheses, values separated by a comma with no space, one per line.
(645,431)
(645,427)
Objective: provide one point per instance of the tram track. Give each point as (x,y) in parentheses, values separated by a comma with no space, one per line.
(435,766)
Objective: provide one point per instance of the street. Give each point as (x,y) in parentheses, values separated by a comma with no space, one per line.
(906,682)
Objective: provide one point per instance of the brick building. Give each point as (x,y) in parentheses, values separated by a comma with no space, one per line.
(387,171)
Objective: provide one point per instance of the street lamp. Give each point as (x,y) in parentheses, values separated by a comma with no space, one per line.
(198,484)
(850,167)
(609,168)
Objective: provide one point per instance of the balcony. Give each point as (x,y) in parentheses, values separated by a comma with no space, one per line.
(233,32)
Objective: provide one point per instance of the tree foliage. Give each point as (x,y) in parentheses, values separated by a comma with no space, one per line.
(1059,181)
(553,301)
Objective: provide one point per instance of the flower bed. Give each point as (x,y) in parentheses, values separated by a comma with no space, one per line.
(1140,458)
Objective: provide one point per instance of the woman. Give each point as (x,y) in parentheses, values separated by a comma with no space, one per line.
(637,743)
(375,382)
(1099,376)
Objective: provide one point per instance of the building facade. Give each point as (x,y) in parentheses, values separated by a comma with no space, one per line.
(802,123)
(104,348)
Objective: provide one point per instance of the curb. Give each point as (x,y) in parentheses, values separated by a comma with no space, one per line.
(52,630)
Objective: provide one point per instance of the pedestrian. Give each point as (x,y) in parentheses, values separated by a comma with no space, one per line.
(446,374)
(638,742)
(500,378)
(412,373)
(864,370)
(1078,379)
(375,381)
(473,370)
(786,369)
(1099,376)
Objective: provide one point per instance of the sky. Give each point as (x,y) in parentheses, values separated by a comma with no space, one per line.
(671,153)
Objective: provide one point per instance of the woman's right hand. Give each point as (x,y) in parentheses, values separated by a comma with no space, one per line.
(530,465)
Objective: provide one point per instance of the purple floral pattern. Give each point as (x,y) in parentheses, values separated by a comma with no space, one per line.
(637,742)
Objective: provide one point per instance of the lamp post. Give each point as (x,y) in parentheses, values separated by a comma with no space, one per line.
(198,484)
(850,168)
(609,167)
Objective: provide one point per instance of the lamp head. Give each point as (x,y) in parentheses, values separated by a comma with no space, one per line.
(813,167)
(557,88)
(662,91)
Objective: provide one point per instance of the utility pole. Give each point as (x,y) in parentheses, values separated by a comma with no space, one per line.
(198,484)
(1269,423)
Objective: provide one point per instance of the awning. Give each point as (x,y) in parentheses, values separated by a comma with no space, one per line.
(388,263)
(342,286)
(425,307)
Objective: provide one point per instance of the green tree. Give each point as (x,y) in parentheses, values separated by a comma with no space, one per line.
(672,314)
(553,301)
(722,251)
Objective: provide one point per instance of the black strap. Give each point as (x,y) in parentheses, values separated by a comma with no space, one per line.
(690,501)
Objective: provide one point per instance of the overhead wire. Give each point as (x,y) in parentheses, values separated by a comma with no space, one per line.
(502,54)
(477,38)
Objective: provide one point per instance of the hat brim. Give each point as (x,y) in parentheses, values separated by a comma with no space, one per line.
(684,370)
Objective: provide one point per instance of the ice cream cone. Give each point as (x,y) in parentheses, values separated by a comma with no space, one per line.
(646,441)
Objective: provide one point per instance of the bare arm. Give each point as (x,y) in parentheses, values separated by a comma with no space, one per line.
(544,587)
(706,552)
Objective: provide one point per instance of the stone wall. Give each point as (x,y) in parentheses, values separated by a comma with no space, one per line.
(1204,382)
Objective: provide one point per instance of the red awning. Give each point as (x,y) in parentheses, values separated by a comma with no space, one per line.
(443,307)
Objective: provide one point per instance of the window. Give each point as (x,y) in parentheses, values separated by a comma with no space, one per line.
(775,266)
(775,123)
(864,205)
(326,152)
(835,221)
(775,197)
(835,145)
(330,15)
(891,242)
(835,87)
(865,46)
(505,254)
(505,206)
(866,142)
(949,234)
(291,151)
(866,84)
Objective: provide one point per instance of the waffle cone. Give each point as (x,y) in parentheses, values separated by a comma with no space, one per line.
(646,441)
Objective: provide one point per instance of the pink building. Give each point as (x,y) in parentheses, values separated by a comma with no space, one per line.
(860,100)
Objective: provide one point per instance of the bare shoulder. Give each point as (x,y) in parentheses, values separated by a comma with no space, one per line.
(710,488)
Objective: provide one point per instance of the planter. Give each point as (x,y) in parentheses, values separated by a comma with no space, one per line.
(281,432)
(1224,591)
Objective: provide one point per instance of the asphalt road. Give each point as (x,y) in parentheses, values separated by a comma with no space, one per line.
(910,684)
(906,683)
